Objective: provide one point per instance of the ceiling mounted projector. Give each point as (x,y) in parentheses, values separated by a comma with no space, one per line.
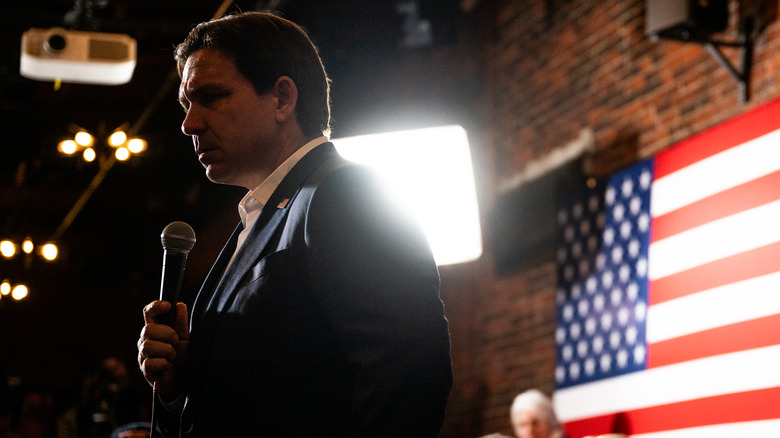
(58,54)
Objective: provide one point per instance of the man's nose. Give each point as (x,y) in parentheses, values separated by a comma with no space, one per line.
(193,123)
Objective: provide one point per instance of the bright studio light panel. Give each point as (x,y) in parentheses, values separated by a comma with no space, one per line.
(430,174)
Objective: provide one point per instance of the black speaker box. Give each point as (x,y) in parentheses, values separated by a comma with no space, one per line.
(685,20)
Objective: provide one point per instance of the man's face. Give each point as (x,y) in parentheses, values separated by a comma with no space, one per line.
(528,424)
(232,127)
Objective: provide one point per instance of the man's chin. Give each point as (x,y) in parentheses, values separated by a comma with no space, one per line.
(220,178)
(215,176)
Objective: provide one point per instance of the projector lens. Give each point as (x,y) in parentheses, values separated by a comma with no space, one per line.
(55,43)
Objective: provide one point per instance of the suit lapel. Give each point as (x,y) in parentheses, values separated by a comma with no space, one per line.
(247,256)
(214,276)
(272,216)
(221,284)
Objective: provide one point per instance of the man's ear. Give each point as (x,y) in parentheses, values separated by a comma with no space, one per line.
(286,93)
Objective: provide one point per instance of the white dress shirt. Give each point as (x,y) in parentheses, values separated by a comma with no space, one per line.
(250,206)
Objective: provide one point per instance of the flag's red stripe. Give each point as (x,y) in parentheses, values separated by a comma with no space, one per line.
(724,136)
(730,408)
(737,199)
(756,333)
(743,266)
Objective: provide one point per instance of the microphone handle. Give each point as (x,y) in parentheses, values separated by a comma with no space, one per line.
(170,284)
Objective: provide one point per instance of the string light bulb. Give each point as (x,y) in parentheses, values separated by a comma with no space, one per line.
(136,145)
(118,138)
(27,246)
(68,147)
(49,252)
(83,141)
(89,155)
(84,138)
(122,153)
(19,292)
(7,249)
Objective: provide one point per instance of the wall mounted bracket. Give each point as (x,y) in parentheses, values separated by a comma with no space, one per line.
(745,45)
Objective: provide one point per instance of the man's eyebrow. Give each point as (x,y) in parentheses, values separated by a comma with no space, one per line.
(180,96)
(200,90)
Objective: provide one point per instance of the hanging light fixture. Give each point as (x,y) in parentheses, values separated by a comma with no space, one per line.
(82,141)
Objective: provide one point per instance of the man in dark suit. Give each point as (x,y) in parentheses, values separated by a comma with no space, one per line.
(321,316)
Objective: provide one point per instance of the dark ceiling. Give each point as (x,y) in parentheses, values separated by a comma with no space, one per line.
(87,304)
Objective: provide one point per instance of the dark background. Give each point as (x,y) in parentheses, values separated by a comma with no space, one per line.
(87,304)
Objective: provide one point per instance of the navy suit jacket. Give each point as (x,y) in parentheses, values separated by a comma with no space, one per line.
(328,321)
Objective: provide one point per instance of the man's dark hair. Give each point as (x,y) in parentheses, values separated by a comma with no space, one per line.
(265,47)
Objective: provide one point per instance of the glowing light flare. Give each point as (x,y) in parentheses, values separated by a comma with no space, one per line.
(67,147)
(27,246)
(19,292)
(5,287)
(49,251)
(118,138)
(430,174)
(136,145)
(89,155)
(7,249)
(84,138)
(122,153)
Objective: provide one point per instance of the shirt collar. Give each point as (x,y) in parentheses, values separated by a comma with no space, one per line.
(255,199)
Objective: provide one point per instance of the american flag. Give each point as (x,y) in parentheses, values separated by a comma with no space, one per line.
(668,305)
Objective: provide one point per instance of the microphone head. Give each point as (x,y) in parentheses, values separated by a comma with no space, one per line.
(178,237)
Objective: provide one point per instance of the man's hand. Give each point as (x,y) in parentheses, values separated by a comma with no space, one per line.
(162,350)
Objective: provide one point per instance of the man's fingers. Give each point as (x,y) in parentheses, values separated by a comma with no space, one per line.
(155,308)
(158,340)
(156,366)
(181,324)
(159,346)
(155,351)
(156,370)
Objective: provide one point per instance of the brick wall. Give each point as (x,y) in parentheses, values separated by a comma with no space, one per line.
(552,68)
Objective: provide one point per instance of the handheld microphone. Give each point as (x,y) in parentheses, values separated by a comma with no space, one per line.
(177,239)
